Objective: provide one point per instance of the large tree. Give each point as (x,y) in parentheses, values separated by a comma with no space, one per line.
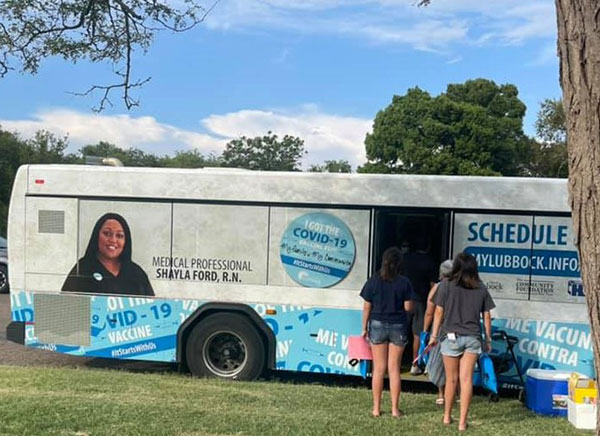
(579,53)
(267,153)
(96,30)
(473,128)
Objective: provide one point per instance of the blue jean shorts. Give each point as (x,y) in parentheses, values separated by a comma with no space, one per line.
(384,332)
(462,344)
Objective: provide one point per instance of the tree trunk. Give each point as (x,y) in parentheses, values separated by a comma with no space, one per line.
(579,52)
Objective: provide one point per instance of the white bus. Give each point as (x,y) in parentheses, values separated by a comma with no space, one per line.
(231,272)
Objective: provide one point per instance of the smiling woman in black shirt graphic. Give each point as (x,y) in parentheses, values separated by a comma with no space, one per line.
(106,267)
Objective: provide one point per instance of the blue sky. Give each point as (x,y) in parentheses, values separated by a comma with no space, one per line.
(318,69)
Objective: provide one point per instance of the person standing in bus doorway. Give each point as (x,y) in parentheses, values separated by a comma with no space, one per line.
(106,266)
(435,364)
(460,302)
(388,297)
(420,269)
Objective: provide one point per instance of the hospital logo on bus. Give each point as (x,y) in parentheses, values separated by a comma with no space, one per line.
(575,288)
(317,250)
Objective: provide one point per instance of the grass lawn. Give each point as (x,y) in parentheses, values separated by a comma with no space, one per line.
(58,401)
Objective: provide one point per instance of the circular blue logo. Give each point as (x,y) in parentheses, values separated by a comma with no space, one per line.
(317,250)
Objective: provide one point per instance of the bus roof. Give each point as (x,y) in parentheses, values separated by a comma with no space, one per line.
(232,185)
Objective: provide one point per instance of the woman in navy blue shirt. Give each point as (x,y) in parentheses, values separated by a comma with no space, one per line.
(388,296)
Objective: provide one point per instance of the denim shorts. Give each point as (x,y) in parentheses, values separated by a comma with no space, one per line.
(383,332)
(462,344)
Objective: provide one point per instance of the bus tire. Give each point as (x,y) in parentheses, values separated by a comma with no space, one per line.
(3,279)
(225,345)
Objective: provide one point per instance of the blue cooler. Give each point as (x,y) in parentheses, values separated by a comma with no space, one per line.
(547,391)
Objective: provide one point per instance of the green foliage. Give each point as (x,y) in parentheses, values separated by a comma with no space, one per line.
(191,159)
(14,152)
(132,157)
(549,156)
(475,128)
(266,153)
(332,166)
(66,401)
(551,124)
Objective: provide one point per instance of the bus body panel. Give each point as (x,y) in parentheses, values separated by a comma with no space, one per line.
(271,187)
(16,230)
(224,236)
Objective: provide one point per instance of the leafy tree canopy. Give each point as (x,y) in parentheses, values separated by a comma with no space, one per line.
(332,166)
(551,125)
(191,159)
(473,128)
(14,152)
(549,154)
(96,30)
(131,157)
(267,153)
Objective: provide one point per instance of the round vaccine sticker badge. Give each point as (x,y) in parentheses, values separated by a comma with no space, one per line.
(317,250)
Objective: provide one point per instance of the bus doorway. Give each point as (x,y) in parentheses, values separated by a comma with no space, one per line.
(424,238)
(404,229)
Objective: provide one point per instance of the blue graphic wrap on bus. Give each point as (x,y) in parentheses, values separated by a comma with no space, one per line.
(522,261)
(313,339)
(523,257)
(120,327)
(317,250)
(308,339)
(546,345)
(21,304)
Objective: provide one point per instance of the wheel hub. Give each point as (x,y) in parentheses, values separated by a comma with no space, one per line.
(224,353)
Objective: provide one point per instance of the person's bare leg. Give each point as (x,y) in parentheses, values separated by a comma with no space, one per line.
(394,362)
(380,357)
(416,345)
(451,368)
(466,367)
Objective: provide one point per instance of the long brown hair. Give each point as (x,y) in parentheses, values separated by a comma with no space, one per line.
(464,271)
(391,265)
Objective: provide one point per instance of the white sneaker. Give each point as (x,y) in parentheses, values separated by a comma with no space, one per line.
(415,370)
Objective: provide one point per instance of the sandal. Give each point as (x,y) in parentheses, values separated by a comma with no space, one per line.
(447,423)
(399,415)
(439,401)
(464,428)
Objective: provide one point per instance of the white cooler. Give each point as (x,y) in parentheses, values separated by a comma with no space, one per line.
(582,415)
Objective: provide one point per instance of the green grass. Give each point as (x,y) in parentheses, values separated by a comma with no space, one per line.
(58,401)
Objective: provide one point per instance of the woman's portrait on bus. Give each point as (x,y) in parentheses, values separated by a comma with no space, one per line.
(107,267)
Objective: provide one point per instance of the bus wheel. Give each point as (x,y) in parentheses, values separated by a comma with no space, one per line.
(225,345)
(3,279)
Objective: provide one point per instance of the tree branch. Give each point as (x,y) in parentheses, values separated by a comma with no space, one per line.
(96,30)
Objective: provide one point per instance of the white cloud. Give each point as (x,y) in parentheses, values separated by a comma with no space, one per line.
(434,28)
(122,130)
(326,136)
